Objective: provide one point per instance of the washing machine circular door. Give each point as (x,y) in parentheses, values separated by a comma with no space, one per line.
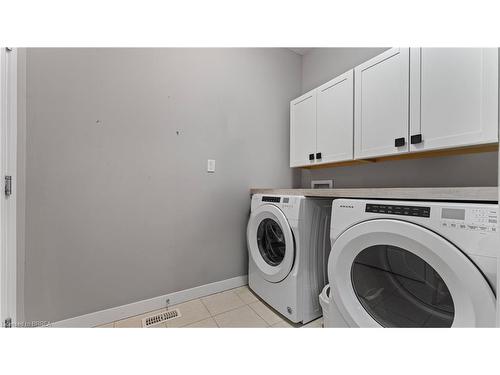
(270,242)
(391,273)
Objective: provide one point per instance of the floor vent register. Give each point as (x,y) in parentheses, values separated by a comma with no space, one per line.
(153,320)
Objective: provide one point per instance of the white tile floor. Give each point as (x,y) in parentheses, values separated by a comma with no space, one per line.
(238,307)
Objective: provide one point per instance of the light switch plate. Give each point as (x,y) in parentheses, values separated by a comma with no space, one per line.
(210,166)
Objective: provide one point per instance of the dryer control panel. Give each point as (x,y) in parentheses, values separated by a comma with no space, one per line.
(390,209)
(474,219)
(271,199)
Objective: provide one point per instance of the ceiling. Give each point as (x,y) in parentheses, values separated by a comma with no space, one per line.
(300,51)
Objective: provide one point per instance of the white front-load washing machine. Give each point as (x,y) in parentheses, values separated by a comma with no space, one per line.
(288,244)
(412,264)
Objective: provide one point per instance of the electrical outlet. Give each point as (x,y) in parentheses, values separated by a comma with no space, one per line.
(211,166)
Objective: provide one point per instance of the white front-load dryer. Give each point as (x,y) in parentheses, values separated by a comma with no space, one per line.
(288,245)
(412,264)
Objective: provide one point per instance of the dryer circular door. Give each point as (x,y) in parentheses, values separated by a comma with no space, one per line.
(392,273)
(270,242)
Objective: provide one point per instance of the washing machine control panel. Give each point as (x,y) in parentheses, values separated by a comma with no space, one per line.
(271,199)
(390,209)
(474,219)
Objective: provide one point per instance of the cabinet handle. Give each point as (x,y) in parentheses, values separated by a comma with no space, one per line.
(311,156)
(417,138)
(318,155)
(398,142)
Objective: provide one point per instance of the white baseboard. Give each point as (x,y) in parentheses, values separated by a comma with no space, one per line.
(141,307)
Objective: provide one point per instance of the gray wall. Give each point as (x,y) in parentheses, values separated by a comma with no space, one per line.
(322,64)
(119,205)
(449,171)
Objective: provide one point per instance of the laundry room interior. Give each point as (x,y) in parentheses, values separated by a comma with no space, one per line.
(180,178)
(254,187)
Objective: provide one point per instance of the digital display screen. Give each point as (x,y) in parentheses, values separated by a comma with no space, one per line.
(453,213)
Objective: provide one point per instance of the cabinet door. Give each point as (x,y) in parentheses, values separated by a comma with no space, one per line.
(303,130)
(335,119)
(453,97)
(381,105)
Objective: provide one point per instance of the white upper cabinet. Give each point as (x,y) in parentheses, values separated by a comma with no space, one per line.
(335,119)
(381,107)
(454,97)
(398,102)
(303,130)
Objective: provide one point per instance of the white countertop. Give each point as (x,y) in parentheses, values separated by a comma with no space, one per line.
(489,194)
